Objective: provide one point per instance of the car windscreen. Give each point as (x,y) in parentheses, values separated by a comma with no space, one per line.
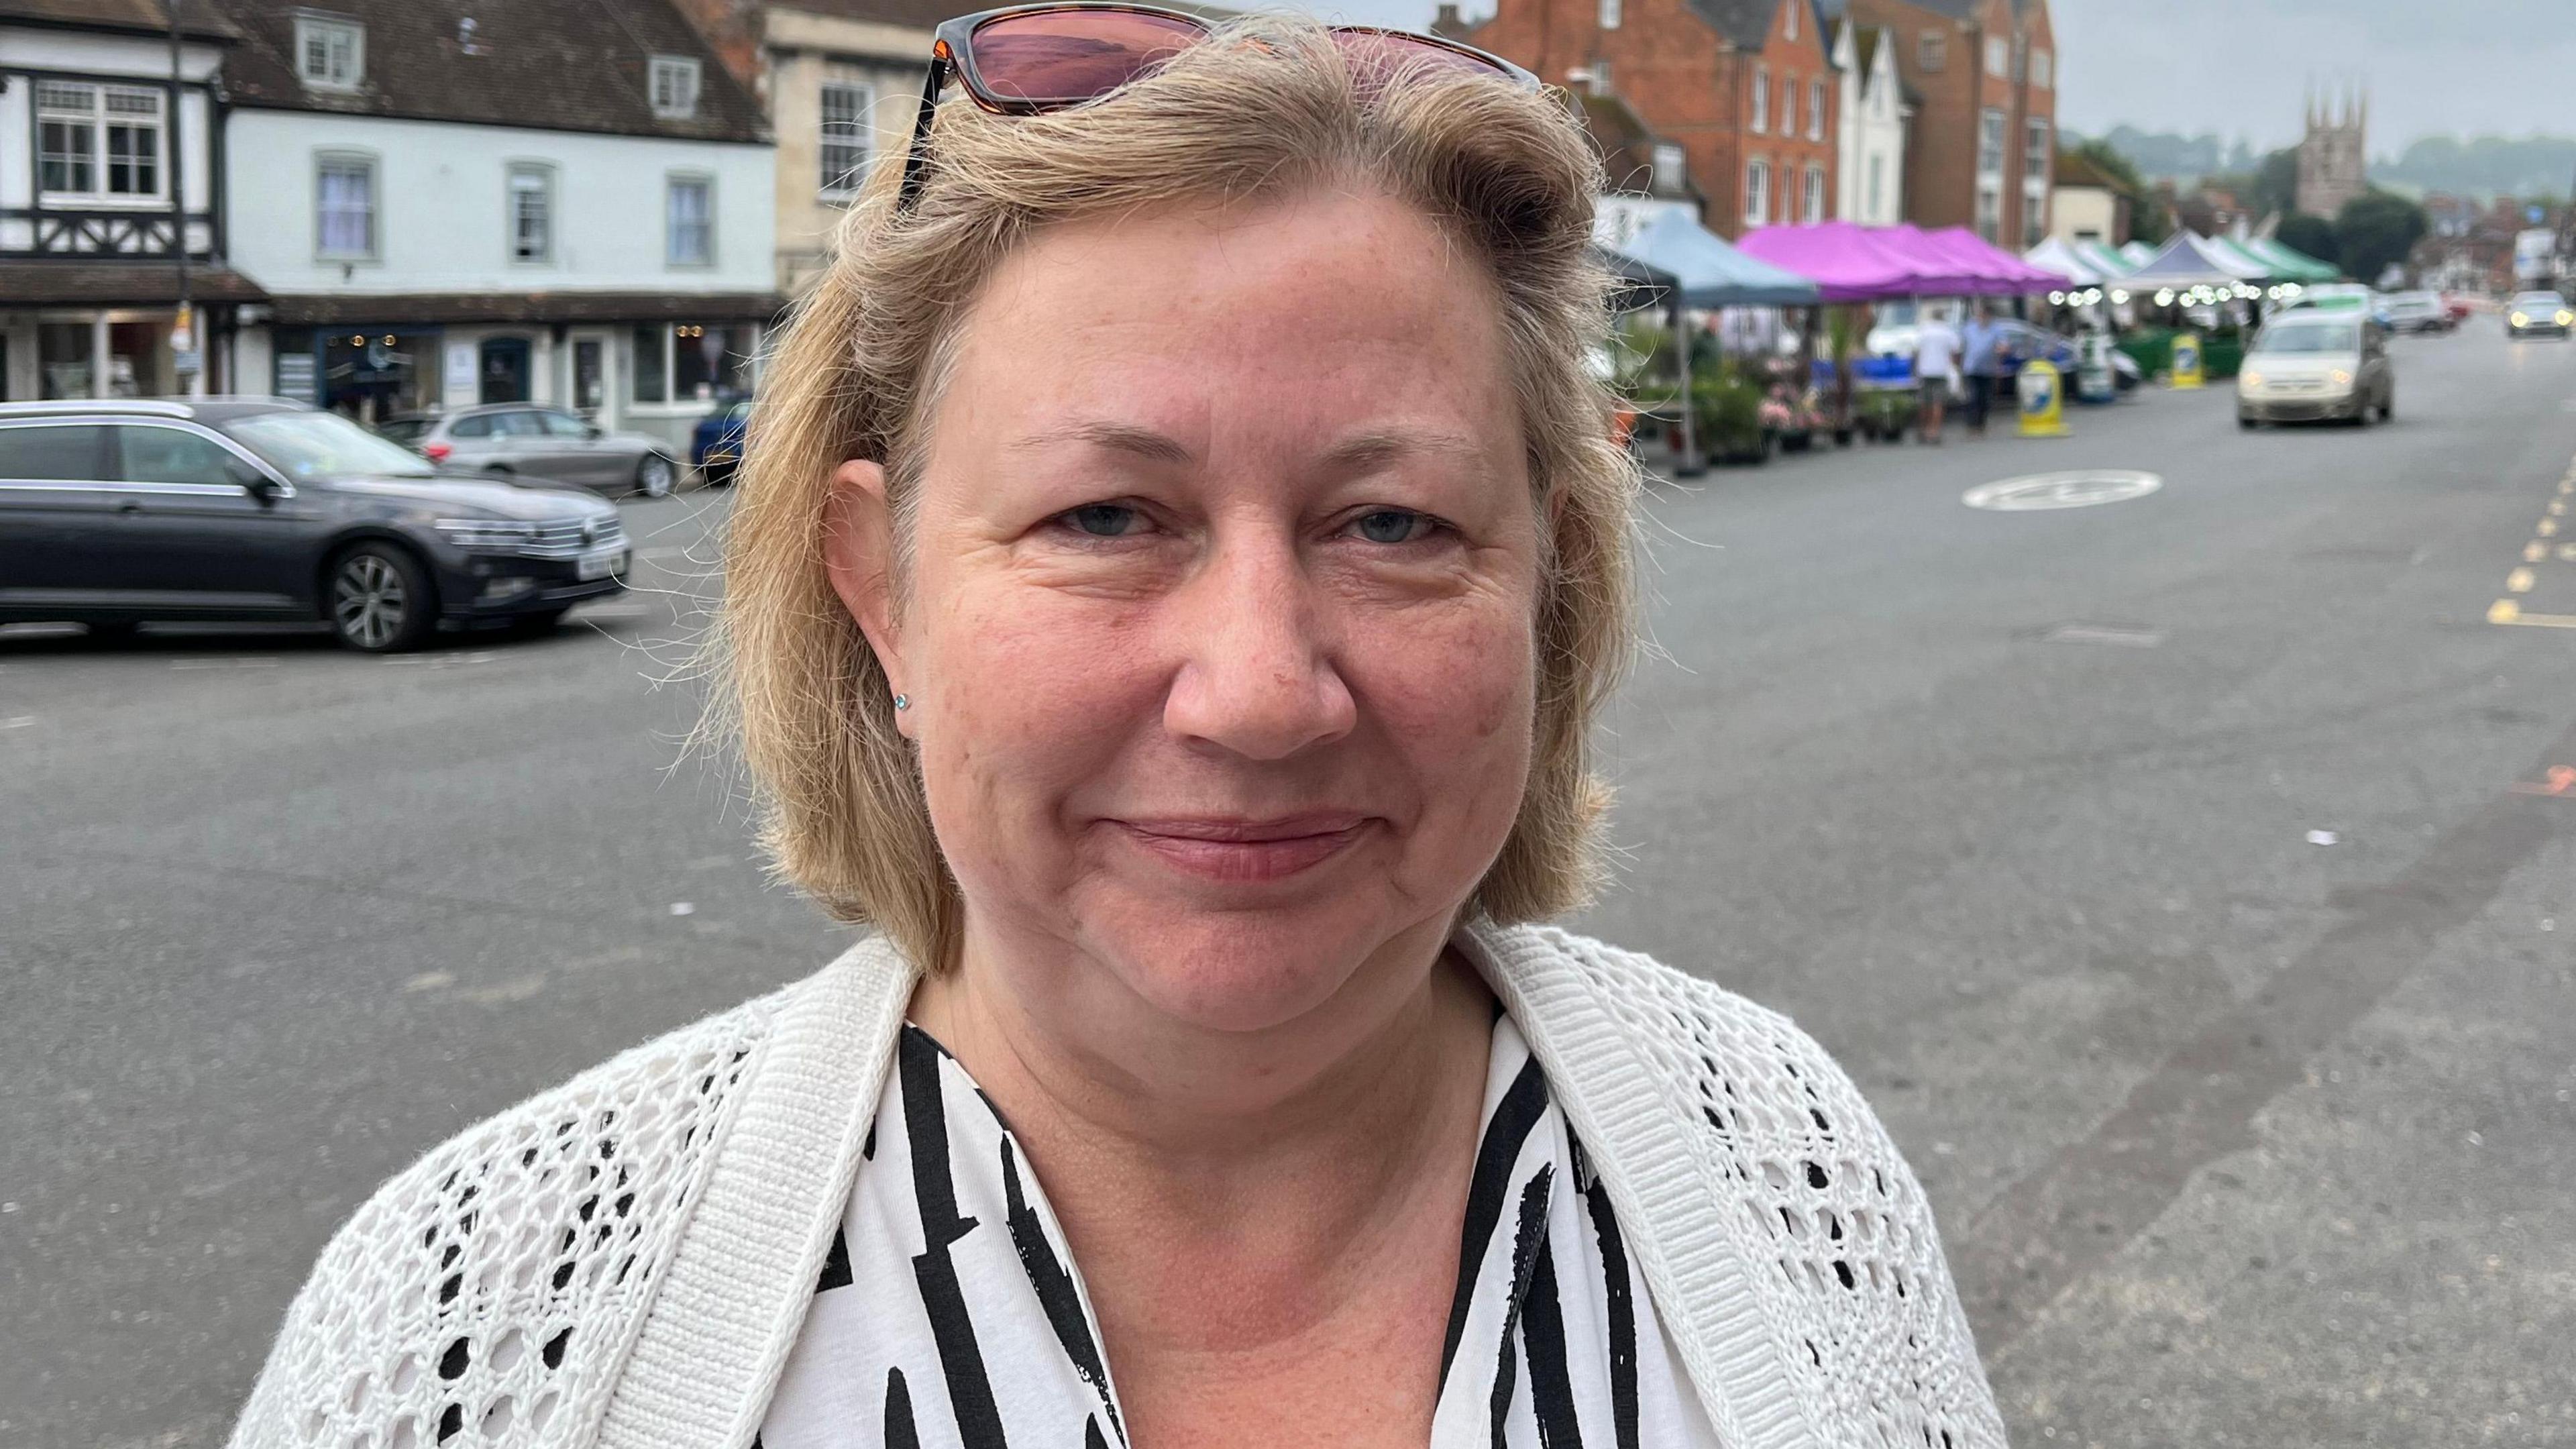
(2310,337)
(2538,302)
(324,445)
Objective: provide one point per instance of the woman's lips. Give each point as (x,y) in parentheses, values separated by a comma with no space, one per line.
(1244,850)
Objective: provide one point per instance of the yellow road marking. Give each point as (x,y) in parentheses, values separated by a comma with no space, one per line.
(2567,552)
(2505,611)
(2534,551)
(2548,527)
(2557,507)
(2518,582)
(2537,621)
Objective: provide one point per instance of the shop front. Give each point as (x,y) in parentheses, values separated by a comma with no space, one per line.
(109,330)
(650,363)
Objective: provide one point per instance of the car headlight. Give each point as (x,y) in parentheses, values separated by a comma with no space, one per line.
(2252,379)
(487,533)
(2520,320)
(2566,317)
(2339,378)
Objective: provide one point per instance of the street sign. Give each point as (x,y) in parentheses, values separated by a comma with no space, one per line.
(2042,394)
(183,334)
(2186,360)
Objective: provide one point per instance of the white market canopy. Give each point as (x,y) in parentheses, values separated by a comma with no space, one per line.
(2054,255)
(2187,260)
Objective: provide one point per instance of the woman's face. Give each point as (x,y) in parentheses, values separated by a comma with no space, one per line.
(1218,630)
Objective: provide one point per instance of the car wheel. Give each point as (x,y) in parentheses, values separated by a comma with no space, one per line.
(2245,421)
(653,476)
(2388,405)
(380,600)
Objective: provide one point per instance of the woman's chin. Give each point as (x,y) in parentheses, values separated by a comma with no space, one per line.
(1239,971)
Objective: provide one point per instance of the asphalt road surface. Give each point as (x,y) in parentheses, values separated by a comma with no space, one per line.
(2182,876)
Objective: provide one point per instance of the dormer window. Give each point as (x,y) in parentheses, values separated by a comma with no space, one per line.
(1670,175)
(675,87)
(330,52)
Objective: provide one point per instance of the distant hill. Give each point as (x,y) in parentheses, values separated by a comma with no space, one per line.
(2487,166)
(2484,166)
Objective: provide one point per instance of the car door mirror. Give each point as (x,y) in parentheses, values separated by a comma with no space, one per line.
(254,482)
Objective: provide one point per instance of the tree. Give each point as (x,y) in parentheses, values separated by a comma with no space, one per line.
(2375,229)
(2276,183)
(2313,235)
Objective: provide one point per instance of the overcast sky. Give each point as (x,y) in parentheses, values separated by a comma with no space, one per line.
(2238,67)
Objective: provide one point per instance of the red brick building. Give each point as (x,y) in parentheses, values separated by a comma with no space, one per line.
(1984,141)
(1744,87)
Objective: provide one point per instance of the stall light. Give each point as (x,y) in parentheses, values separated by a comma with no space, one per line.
(2164,296)
(2291,289)
(389,339)
(357,342)
(2057,299)
(2120,296)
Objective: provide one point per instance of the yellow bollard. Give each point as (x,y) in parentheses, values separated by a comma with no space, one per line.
(2186,360)
(2042,395)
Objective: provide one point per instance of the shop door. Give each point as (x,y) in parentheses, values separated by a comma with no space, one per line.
(589,376)
(504,370)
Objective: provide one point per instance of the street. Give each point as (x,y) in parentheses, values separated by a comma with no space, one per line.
(2184,878)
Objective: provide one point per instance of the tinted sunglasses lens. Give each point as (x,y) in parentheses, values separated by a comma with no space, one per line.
(1066,57)
(1380,53)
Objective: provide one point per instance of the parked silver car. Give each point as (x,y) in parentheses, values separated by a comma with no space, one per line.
(527,440)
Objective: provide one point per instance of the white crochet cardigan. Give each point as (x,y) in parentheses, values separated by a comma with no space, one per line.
(625,1260)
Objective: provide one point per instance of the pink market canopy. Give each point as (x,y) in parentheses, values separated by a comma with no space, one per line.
(1854,263)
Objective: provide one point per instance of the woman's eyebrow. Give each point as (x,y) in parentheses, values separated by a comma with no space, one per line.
(1116,437)
(1383,445)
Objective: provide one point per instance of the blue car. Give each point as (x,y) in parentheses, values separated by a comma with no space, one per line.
(715,447)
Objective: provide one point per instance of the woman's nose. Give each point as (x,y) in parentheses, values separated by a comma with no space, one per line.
(1256,676)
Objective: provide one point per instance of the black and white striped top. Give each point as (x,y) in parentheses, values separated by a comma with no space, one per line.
(950,1313)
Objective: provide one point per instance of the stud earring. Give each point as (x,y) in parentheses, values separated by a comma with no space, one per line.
(903,701)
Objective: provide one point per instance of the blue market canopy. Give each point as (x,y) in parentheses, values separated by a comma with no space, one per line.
(1710,273)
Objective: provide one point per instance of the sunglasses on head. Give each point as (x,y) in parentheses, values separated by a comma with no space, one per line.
(1026,60)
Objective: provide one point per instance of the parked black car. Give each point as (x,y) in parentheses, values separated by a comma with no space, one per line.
(117,513)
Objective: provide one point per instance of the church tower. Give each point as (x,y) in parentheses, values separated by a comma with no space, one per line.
(2332,157)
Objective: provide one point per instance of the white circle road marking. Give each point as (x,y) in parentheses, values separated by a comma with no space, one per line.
(2084,488)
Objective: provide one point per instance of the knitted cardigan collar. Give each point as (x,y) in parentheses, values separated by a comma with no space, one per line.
(1789,1251)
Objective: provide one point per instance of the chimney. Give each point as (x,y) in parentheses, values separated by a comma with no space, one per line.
(1448,22)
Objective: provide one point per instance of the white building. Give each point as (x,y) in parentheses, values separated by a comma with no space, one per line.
(1869,164)
(92,209)
(548,200)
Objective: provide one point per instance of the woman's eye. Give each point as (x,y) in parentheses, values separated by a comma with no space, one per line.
(1393,525)
(1104,520)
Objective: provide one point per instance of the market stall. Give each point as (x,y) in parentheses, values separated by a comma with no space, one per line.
(1697,270)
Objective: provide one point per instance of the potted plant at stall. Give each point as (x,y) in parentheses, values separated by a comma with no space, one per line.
(1727,403)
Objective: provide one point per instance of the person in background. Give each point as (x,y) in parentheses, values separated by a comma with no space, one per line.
(1983,344)
(1936,370)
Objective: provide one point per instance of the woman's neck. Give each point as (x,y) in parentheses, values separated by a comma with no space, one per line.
(1232,1188)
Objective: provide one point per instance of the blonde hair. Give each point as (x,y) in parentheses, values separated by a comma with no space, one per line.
(1266,106)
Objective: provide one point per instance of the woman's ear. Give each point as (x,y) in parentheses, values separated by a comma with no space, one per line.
(858,554)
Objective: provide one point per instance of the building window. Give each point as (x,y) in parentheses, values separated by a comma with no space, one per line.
(675,87)
(1933,51)
(1990,210)
(1793,22)
(330,54)
(1789,104)
(1815,207)
(1877,188)
(2041,73)
(98,143)
(1757,193)
(1816,109)
(690,234)
(1609,14)
(691,362)
(2034,149)
(1990,142)
(2034,216)
(1761,98)
(344,207)
(1998,57)
(845,137)
(1671,168)
(1601,77)
(532,212)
